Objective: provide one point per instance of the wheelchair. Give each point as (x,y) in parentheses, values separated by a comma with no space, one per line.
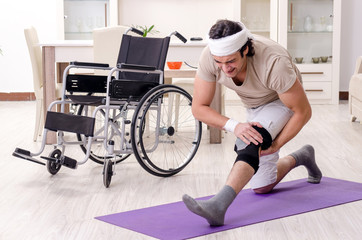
(129,110)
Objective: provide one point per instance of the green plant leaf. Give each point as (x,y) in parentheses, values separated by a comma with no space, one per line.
(146,30)
(150,29)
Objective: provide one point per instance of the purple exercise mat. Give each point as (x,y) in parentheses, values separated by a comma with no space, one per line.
(175,221)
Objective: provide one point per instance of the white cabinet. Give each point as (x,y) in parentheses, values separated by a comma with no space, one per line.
(78,18)
(311,29)
(308,29)
(259,16)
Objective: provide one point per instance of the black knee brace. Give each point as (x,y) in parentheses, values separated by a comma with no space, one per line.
(250,154)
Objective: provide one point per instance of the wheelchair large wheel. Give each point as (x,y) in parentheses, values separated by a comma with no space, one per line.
(98,153)
(165,135)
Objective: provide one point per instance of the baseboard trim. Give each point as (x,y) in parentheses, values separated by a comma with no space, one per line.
(343,95)
(17,96)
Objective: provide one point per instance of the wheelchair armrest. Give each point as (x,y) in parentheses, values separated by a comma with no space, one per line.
(136,67)
(89,64)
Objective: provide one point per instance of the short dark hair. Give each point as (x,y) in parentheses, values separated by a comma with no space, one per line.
(224,28)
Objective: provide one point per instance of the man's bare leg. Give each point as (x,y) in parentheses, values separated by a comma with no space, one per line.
(304,156)
(239,176)
(214,209)
(284,165)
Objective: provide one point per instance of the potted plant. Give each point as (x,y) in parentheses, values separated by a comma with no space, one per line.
(147,30)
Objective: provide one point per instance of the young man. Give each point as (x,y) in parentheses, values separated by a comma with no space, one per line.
(263,75)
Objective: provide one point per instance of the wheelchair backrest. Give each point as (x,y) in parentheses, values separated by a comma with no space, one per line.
(143,51)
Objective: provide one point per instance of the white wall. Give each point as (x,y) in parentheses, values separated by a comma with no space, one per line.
(351,41)
(190,17)
(15,66)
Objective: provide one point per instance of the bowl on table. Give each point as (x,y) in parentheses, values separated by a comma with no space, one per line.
(174,65)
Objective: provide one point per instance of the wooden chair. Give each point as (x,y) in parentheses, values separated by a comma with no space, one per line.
(35,54)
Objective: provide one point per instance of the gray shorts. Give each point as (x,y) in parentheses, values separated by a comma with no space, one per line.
(273,117)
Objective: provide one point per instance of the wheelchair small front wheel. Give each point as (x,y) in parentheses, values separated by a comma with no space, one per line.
(107,172)
(54,167)
(165,134)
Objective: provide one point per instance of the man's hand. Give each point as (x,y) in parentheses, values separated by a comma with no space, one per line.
(247,133)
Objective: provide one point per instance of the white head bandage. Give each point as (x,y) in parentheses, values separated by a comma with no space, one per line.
(230,44)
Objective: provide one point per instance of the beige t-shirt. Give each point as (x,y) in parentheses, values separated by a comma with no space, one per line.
(269,72)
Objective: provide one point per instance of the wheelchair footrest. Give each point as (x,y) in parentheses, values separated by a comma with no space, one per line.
(70,162)
(25,154)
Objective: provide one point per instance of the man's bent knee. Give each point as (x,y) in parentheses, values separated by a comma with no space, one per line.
(250,154)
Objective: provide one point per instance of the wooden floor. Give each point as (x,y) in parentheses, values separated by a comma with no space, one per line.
(35,205)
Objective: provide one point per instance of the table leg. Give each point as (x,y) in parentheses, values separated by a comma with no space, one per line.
(60,67)
(215,134)
(48,61)
(167,80)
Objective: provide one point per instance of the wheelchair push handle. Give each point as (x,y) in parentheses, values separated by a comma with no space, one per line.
(135,30)
(177,34)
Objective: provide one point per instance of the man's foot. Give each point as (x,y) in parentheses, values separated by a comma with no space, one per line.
(305,156)
(213,209)
(205,210)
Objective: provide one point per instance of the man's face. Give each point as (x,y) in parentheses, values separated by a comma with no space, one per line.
(231,64)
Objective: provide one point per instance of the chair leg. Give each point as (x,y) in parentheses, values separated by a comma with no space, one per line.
(177,111)
(353,118)
(39,119)
(170,108)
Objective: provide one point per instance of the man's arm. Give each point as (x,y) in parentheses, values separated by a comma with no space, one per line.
(204,92)
(296,100)
(202,97)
